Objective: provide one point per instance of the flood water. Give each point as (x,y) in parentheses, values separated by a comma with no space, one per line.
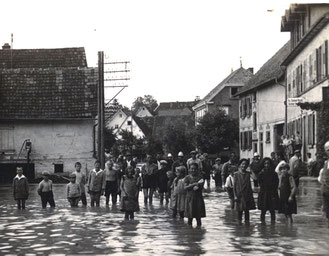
(64,230)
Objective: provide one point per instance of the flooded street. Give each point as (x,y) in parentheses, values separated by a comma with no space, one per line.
(89,230)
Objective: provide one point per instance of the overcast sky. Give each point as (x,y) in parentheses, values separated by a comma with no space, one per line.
(178,49)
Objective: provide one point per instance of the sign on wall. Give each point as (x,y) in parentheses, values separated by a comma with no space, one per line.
(292,102)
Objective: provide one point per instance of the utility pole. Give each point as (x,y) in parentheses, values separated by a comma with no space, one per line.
(100,96)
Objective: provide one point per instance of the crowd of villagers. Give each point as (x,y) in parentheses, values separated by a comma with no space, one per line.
(180,184)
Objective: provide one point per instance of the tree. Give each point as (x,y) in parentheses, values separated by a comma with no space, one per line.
(153,146)
(147,100)
(177,138)
(109,138)
(216,131)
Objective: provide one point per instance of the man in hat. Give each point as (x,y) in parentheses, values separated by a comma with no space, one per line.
(217,173)
(295,164)
(194,159)
(231,166)
(179,162)
(170,161)
(255,168)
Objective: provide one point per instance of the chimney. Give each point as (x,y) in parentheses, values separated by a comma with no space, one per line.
(251,70)
(197,98)
(6,46)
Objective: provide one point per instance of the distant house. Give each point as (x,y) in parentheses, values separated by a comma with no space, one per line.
(143,111)
(123,120)
(48,97)
(307,71)
(262,112)
(173,113)
(223,96)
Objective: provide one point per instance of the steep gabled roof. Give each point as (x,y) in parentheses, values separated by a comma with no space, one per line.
(43,58)
(237,78)
(142,125)
(48,93)
(270,71)
(175,108)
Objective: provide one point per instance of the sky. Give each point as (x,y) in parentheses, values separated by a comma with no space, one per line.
(177,49)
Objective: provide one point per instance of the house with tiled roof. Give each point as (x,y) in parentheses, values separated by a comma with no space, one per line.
(172,113)
(307,73)
(262,109)
(223,95)
(48,103)
(124,120)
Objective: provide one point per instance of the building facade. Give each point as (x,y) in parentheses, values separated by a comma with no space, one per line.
(48,103)
(306,68)
(223,96)
(262,109)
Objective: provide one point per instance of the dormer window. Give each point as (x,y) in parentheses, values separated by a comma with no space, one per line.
(234,90)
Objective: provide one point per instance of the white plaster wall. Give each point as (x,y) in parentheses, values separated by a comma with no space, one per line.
(314,94)
(57,142)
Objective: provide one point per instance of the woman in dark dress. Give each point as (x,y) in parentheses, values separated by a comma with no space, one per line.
(268,198)
(243,194)
(163,181)
(194,203)
(287,188)
(149,179)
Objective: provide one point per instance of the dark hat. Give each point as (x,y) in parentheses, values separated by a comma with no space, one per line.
(45,173)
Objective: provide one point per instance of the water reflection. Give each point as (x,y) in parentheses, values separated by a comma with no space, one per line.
(66,230)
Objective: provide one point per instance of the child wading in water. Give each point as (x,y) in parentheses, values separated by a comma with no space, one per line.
(244,199)
(45,190)
(229,183)
(20,188)
(178,194)
(130,185)
(73,191)
(287,190)
(194,204)
(96,184)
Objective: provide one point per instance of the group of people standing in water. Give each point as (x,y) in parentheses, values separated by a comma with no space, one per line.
(178,183)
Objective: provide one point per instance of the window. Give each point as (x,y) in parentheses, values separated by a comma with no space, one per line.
(268,137)
(255,121)
(250,107)
(116,126)
(261,137)
(311,130)
(58,168)
(249,140)
(234,90)
(246,142)
(254,97)
(129,122)
(7,139)
(120,115)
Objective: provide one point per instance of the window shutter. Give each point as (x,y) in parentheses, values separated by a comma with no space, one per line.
(305,83)
(242,140)
(310,74)
(324,59)
(315,65)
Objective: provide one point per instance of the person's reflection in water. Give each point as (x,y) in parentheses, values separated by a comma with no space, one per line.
(129,232)
(189,238)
